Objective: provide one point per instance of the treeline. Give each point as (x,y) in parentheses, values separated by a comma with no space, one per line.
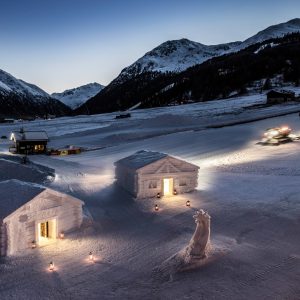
(17,106)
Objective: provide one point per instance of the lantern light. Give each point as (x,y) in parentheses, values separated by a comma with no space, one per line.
(91,256)
(158,195)
(33,244)
(156,207)
(188,203)
(51,266)
(175,192)
(62,235)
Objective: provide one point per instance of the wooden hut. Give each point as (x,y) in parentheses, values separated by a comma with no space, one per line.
(149,174)
(29,142)
(276,97)
(33,214)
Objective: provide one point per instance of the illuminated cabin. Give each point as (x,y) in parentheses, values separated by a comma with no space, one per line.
(29,142)
(30,213)
(148,174)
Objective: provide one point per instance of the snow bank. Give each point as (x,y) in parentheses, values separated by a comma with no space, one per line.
(14,169)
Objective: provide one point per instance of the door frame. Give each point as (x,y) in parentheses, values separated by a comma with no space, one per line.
(171,186)
(52,231)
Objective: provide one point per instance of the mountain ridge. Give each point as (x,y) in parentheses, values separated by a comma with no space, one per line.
(77,96)
(216,78)
(21,99)
(178,55)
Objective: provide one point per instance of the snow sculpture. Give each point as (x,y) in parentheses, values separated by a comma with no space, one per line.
(196,253)
(200,242)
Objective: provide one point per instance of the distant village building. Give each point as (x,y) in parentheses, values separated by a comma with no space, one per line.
(34,215)
(6,120)
(276,97)
(147,174)
(29,142)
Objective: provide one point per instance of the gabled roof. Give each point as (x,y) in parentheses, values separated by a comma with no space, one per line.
(280,92)
(29,136)
(141,159)
(16,193)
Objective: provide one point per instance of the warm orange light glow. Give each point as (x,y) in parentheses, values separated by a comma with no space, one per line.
(188,203)
(91,256)
(156,207)
(168,186)
(285,128)
(62,235)
(51,266)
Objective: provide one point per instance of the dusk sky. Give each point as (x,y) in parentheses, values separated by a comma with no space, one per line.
(63,44)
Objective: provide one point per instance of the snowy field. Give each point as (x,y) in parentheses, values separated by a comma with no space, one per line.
(252,193)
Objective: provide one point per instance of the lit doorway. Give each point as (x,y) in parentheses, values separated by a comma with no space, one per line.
(46,231)
(168,186)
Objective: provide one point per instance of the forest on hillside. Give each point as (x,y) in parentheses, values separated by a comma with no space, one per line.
(216,78)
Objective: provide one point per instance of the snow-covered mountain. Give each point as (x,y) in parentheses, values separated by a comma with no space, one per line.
(174,56)
(19,98)
(275,31)
(178,55)
(77,96)
(10,84)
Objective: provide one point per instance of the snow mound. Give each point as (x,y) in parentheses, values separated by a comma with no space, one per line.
(180,262)
(13,169)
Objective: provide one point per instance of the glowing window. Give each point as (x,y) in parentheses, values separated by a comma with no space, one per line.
(39,147)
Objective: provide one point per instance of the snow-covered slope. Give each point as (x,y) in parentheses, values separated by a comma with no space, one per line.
(10,84)
(274,31)
(175,56)
(178,55)
(77,96)
(19,98)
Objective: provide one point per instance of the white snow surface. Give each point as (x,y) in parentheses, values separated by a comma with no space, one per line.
(175,56)
(77,96)
(14,169)
(9,83)
(274,31)
(250,191)
(178,55)
(30,135)
(265,46)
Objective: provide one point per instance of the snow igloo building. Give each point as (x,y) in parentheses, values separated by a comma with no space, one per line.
(147,174)
(30,213)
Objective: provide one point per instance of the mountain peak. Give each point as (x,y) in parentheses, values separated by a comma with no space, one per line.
(178,55)
(19,98)
(295,21)
(10,84)
(79,95)
(173,56)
